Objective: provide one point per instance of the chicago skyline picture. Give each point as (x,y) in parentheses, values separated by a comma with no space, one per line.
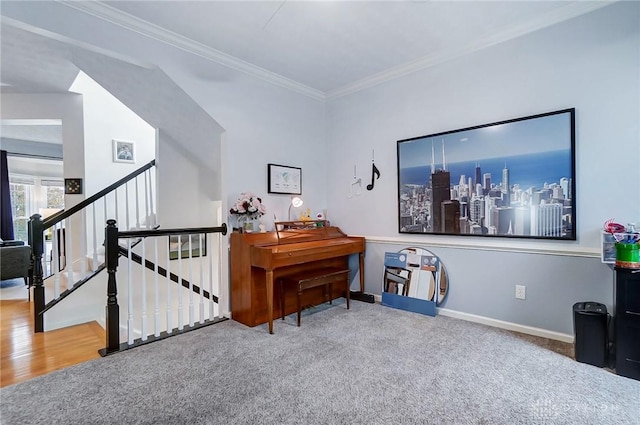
(511,179)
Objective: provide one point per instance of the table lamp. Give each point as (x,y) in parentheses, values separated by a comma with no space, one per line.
(295,202)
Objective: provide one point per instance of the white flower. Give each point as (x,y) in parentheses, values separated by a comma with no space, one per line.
(248,204)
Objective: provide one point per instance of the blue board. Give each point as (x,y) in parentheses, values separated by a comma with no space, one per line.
(415,305)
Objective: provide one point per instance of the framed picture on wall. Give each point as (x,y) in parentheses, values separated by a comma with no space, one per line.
(284,179)
(179,246)
(124,151)
(513,179)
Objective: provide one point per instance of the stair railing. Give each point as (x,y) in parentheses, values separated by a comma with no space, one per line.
(72,236)
(156,307)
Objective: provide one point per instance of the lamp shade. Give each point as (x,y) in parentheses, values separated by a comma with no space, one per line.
(296,201)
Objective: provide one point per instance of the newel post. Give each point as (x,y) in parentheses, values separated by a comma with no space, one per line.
(36,276)
(112,308)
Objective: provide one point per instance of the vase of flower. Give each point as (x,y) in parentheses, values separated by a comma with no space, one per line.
(246,210)
(240,220)
(245,224)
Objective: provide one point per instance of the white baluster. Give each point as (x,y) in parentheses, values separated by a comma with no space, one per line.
(126,203)
(156,301)
(168,279)
(223,303)
(153,214)
(68,251)
(146,201)
(130,295)
(104,202)
(201,283)
(137,205)
(95,238)
(104,221)
(191,306)
(180,307)
(211,304)
(83,243)
(144,292)
(115,194)
(55,261)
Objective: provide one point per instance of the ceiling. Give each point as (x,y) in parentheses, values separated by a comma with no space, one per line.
(331,45)
(322,49)
(43,131)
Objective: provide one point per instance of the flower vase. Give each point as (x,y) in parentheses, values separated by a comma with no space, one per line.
(248,225)
(245,224)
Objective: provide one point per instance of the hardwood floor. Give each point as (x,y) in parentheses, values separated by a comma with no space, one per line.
(25,354)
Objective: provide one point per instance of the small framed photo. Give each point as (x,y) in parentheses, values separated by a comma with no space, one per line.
(124,151)
(72,186)
(284,179)
(179,246)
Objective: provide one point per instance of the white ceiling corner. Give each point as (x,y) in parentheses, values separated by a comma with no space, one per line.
(125,20)
(568,11)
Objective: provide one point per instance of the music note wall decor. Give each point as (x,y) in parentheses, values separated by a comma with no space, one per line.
(355,188)
(375,173)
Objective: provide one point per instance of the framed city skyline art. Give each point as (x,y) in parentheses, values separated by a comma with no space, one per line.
(512,179)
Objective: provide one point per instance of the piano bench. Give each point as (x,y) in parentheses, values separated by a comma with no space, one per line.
(311,279)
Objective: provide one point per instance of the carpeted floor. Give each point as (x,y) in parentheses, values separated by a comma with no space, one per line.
(368,365)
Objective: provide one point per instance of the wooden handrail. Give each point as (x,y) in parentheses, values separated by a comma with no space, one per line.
(61,215)
(181,231)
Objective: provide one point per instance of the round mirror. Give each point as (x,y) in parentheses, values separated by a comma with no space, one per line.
(416,273)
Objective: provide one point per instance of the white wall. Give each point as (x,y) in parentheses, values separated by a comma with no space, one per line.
(590,63)
(265,124)
(184,185)
(105,119)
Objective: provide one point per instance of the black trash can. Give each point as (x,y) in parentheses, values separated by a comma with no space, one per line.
(590,325)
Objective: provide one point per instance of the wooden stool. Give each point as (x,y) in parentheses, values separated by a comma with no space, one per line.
(310,279)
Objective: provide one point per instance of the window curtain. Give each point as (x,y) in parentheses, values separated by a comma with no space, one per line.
(6,218)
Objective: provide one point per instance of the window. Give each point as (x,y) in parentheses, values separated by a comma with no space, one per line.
(30,194)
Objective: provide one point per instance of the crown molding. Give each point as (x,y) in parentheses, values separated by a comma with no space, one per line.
(556,16)
(125,20)
(71,42)
(147,29)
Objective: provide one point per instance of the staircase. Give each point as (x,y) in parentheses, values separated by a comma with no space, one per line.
(159,282)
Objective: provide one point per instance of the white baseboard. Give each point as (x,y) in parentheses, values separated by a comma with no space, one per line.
(52,325)
(529,330)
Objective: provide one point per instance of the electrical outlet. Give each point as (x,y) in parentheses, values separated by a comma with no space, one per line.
(521,292)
